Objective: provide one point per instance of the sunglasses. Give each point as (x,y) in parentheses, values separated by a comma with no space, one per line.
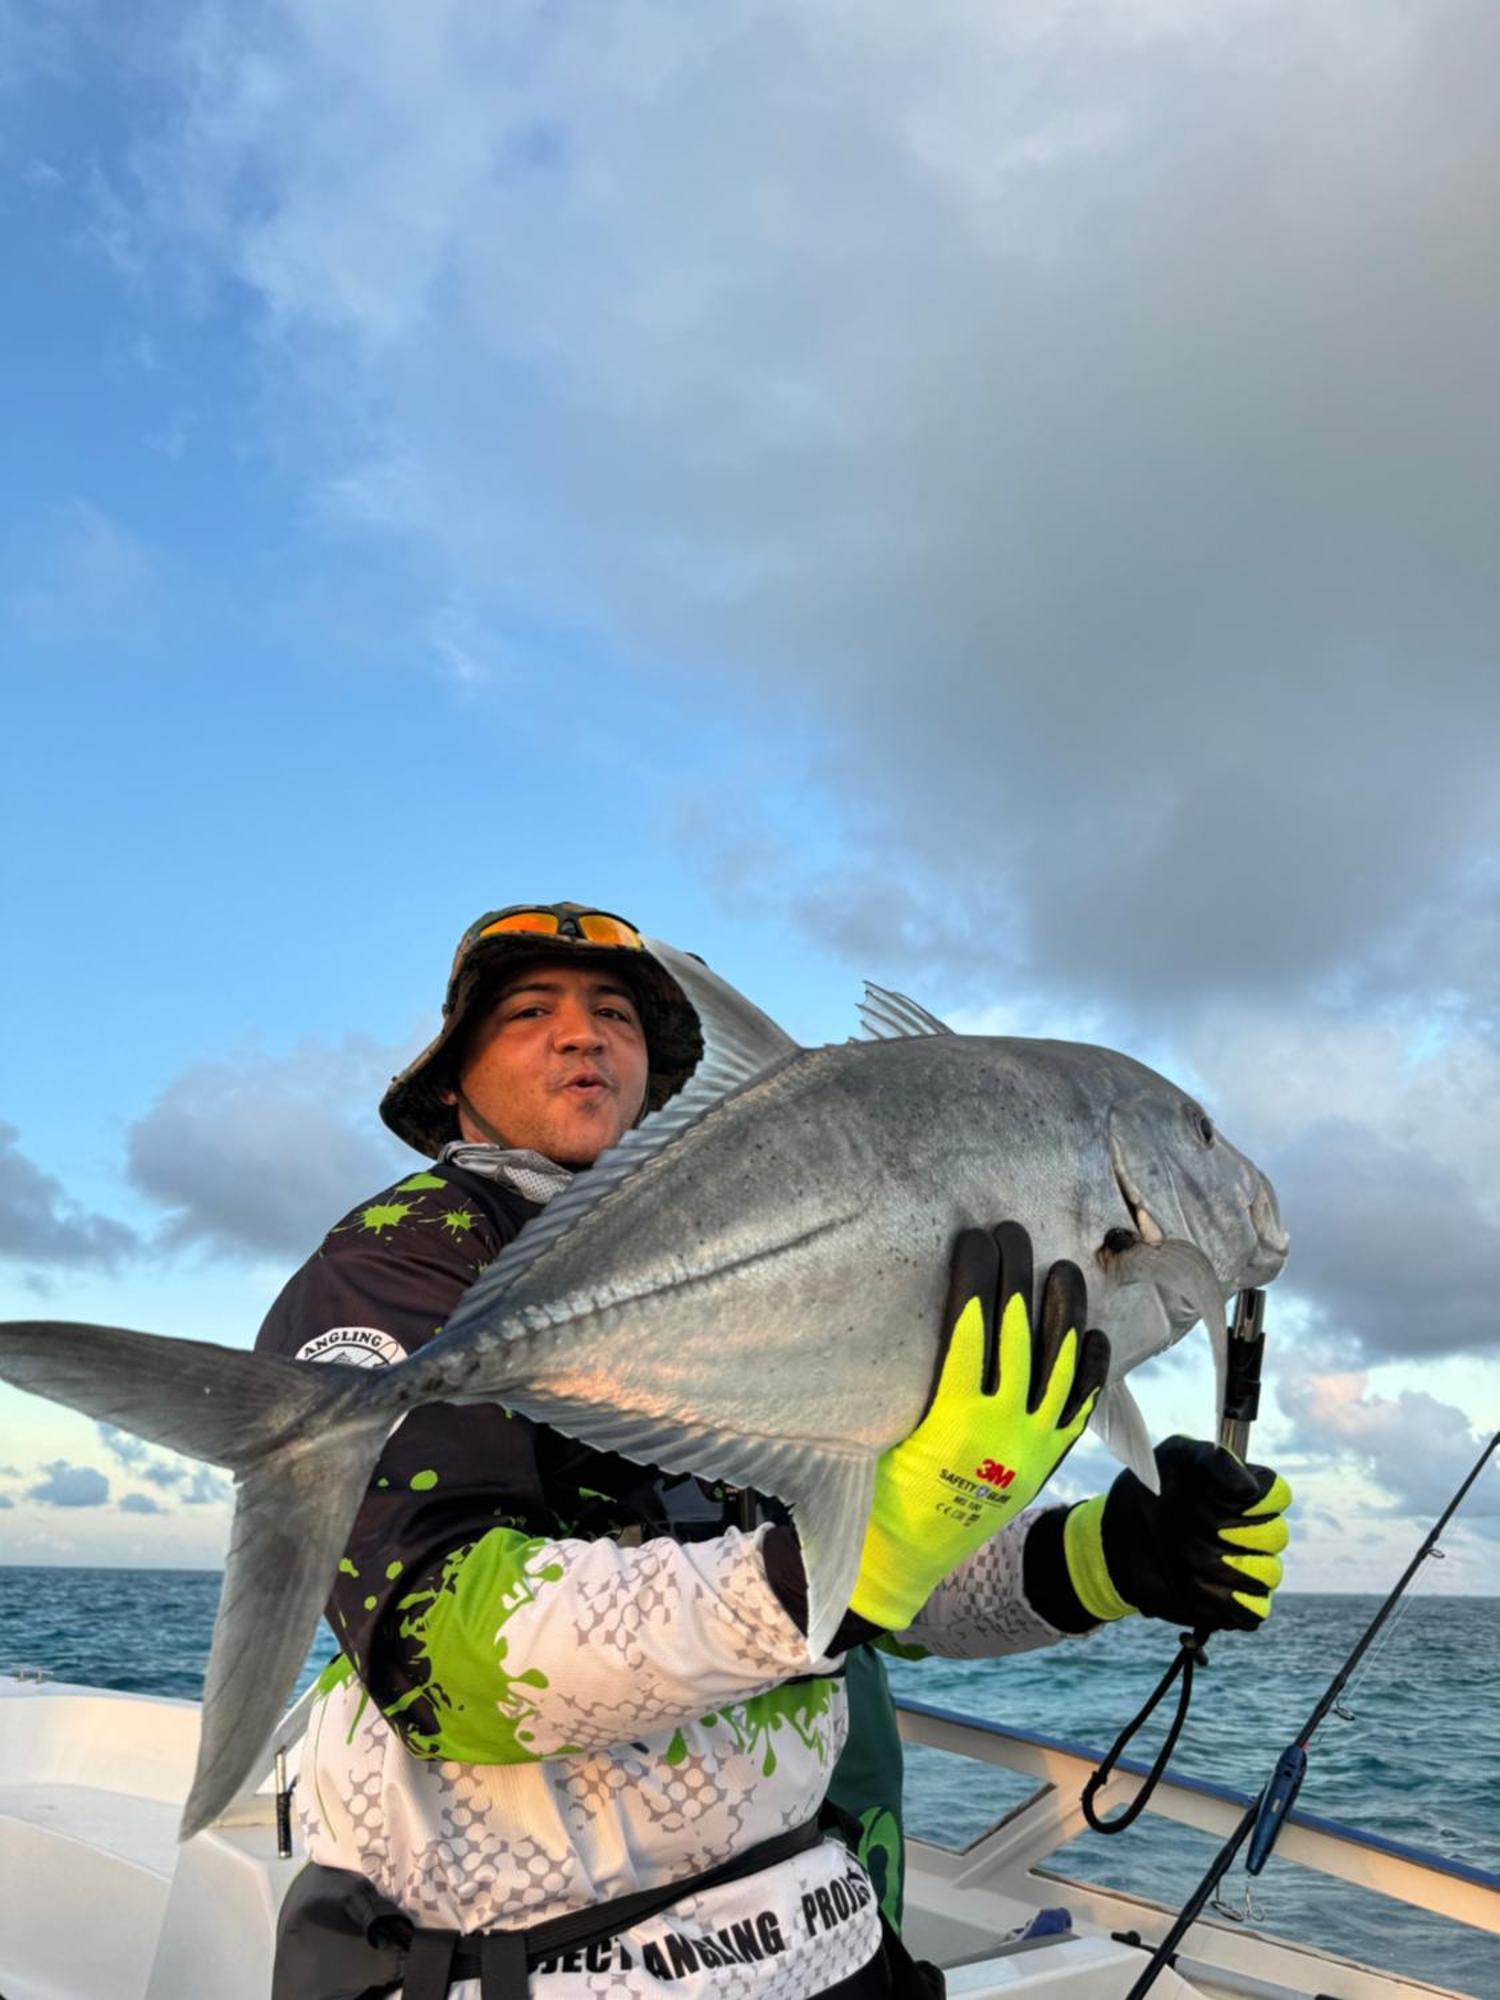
(588,926)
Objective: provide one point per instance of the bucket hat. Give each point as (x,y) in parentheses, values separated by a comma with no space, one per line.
(495,947)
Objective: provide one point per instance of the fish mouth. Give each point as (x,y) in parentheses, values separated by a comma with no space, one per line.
(1147,1229)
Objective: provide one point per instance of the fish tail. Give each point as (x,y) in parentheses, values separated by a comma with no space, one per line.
(301,1440)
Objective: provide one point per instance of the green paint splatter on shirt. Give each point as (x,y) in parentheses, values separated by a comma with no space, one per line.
(803,1706)
(457,1220)
(383,1215)
(423,1482)
(333,1675)
(419,1183)
(392,1570)
(346,1568)
(470,1705)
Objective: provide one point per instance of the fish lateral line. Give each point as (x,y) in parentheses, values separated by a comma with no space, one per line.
(532,1321)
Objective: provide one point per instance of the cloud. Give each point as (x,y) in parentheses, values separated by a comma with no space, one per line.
(6,1501)
(260,1154)
(138,1459)
(41,1224)
(68,1485)
(1381,1136)
(1414,1448)
(130,1451)
(195,1484)
(96,580)
(206,1488)
(1067,421)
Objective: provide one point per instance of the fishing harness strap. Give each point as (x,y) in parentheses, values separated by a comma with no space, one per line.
(340,1939)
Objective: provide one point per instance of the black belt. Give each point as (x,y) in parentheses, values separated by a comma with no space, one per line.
(339,1939)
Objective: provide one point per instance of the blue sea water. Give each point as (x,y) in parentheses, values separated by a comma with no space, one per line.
(1420,1761)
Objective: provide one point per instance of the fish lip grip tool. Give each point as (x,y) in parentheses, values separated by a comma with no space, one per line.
(1247,1348)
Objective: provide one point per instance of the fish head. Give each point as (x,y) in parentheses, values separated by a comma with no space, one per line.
(1195,1221)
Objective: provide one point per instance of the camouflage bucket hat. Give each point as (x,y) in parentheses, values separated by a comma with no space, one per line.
(500,943)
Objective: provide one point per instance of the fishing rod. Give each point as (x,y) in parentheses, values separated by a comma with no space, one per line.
(1247,1347)
(1266,1815)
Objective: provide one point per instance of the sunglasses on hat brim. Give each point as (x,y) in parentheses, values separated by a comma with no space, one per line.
(582,926)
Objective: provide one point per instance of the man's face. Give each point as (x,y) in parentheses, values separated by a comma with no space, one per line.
(559,1063)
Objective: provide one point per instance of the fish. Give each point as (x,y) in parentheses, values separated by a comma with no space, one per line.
(747,1287)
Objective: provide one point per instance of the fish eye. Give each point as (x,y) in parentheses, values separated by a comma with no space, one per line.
(1201,1123)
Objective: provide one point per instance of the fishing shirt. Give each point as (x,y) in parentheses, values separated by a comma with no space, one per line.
(561,1679)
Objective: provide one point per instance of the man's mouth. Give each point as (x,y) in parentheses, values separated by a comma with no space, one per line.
(585,1083)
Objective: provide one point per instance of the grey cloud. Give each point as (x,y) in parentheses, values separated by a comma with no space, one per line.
(1382,1139)
(1414,1448)
(68,1485)
(121,1445)
(1398,1249)
(206,1488)
(137,1458)
(259,1154)
(1072,419)
(138,1503)
(6,1501)
(41,1224)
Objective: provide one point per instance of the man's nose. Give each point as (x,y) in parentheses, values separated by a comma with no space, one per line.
(576,1027)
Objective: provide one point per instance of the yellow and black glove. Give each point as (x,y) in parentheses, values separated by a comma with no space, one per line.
(1015,1386)
(1204,1552)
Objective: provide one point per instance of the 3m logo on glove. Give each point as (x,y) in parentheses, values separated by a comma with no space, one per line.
(995,1475)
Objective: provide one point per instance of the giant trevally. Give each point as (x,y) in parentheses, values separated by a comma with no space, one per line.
(748,1287)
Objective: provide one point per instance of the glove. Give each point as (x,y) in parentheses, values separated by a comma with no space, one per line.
(1204,1552)
(997,1427)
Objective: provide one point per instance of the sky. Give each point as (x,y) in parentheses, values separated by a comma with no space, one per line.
(994,499)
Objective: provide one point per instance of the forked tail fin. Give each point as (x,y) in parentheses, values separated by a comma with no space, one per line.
(301,1440)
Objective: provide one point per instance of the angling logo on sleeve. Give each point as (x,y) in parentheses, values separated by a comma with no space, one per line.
(354,1346)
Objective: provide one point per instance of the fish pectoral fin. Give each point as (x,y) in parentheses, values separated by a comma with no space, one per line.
(830,1521)
(828,1489)
(1121,1429)
(891,1017)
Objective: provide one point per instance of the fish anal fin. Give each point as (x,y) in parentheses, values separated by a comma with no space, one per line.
(1121,1429)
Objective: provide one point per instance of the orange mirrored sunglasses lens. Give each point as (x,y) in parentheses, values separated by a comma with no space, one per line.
(539,923)
(599,929)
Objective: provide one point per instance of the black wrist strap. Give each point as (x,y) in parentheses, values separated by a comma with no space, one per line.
(1190,1656)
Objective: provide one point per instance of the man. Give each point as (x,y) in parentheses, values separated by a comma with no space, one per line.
(573,1695)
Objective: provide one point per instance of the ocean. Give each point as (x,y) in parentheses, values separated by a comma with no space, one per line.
(1419,1761)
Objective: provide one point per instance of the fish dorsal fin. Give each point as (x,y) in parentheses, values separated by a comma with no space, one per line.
(740,1044)
(889,1017)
